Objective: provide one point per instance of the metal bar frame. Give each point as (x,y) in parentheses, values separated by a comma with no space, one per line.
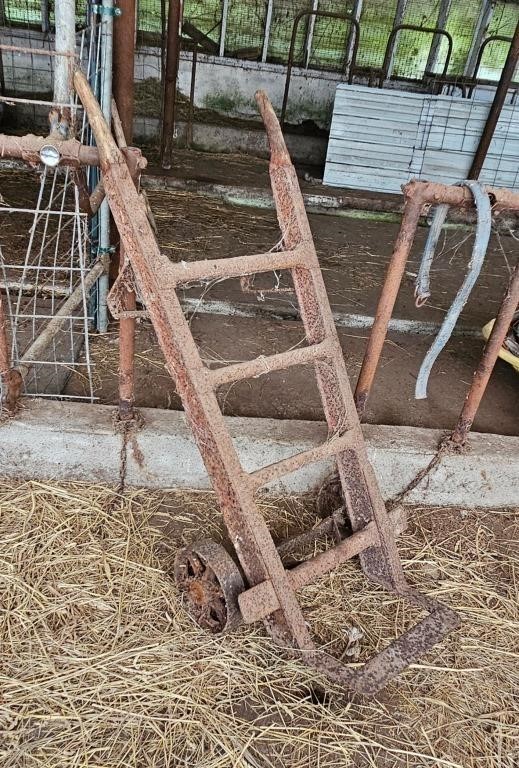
(398,19)
(443,15)
(391,43)
(310,34)
(157,280)
(170,82)
(497,106)
(482,24)
(492,39)
(223,28)
(266,33)
(349,61)
(416,195)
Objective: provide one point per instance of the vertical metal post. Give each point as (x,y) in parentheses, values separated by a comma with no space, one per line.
(310,34)
(163,41)
(497,105)
(441,22)
(189,132)
(66,44)
(107,18)
(170,82)
(123,92)
(350,44)
(223,27)
(10,379)
(266,35)
(488,359)
(386,302)
(124,64)
(399,18)
(482,24)
(127,328)
(45,23)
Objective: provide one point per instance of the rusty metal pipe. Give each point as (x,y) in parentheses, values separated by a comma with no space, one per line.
(386,302)
(123,65)
(417,194)
(488,359)
(506,78)
(260,601)
(127,332)
(27,148)
(10,378)
(170,82)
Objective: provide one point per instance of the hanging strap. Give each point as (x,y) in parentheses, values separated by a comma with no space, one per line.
(483,228)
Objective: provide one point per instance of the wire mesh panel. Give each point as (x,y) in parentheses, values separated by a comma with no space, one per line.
(202,21)
(283,15)
(246,28)
(330,37)
(503,22)
(43,259)
(323,43)
(47,243)
(376,23)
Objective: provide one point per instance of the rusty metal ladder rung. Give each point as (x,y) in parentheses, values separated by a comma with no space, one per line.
(236,266)
(332,447)
(267,363)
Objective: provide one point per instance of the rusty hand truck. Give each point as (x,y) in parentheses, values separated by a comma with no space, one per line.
(213,582)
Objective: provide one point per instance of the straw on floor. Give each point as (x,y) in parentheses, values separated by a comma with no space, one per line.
(102,666)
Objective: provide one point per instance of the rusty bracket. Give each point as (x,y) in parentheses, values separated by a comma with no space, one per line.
(373,537)
(419,195)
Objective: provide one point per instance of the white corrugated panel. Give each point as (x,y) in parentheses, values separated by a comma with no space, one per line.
(372,138)
(380,139)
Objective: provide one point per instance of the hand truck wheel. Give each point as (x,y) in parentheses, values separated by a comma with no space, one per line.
(211,582)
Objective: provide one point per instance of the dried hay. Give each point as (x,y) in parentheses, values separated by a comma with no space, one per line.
(101,665)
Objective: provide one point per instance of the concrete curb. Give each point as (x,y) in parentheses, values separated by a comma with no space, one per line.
(63,441)
(352,205)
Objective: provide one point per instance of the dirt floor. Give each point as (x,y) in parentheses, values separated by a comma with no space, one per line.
(353,254)
(103,667)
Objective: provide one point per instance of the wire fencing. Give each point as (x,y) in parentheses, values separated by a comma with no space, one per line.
(261,30)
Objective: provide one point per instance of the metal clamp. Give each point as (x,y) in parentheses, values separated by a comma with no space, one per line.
(106,10)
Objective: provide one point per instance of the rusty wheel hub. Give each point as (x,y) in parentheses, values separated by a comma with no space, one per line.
(211,582)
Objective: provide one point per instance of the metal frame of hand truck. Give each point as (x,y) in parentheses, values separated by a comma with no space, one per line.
(207,573)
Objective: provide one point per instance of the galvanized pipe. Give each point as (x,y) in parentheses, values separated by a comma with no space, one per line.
(107,24)
(391,43)
(190,119)
(497,105)
(170,82)
(488,41)
(488,359)
(65,44)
